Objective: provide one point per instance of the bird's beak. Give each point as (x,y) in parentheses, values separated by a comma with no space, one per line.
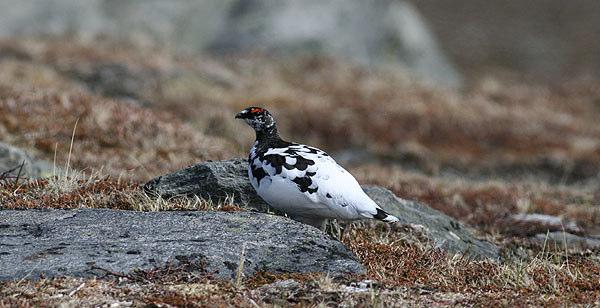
(239,116)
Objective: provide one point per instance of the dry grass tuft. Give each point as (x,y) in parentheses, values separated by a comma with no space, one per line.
(567,278)
(95,192)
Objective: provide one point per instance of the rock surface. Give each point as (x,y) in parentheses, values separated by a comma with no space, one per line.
(383,33)
(11,159)
(215,180)
(531,224)
(86,242)
(558,240)
(443,230)
(116,80)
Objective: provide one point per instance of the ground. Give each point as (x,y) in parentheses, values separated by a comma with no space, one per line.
(501,146)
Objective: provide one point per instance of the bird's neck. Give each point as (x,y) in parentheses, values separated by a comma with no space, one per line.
(267,134)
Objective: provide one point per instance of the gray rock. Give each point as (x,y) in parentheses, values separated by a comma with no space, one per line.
(280,286)
(560,239)
(531,224)
(383,33)
(11,159)
(116,79)
(87,242)
(215,180)
(443,230)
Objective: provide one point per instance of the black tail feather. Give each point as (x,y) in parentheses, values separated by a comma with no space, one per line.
(384,216)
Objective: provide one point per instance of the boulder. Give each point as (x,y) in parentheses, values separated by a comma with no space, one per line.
(116,80)
(91,242)
(210,180)
(558,240)
(530,224)
(218,179)
(445,232)
(382,33)
(385,33)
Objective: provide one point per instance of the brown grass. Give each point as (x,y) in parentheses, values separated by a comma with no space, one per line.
(498,125)
(394,262)
(121,139)
(487,205)
(94,192)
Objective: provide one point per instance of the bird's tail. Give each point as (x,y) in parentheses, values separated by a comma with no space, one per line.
(384,216)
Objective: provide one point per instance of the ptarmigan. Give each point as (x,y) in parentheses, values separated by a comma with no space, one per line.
(302,181)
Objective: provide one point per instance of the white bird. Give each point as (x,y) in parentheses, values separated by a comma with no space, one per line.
(302,181)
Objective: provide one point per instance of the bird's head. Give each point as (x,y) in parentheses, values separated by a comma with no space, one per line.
(258,118)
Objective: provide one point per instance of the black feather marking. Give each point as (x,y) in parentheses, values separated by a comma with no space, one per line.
(303,163)
(328,195)
(381,214)
(311,150)
(258,173)
(289,167)
(278,161)
(304,184)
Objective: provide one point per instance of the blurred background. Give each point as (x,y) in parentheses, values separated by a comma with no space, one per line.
(440,40)
(482,109)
